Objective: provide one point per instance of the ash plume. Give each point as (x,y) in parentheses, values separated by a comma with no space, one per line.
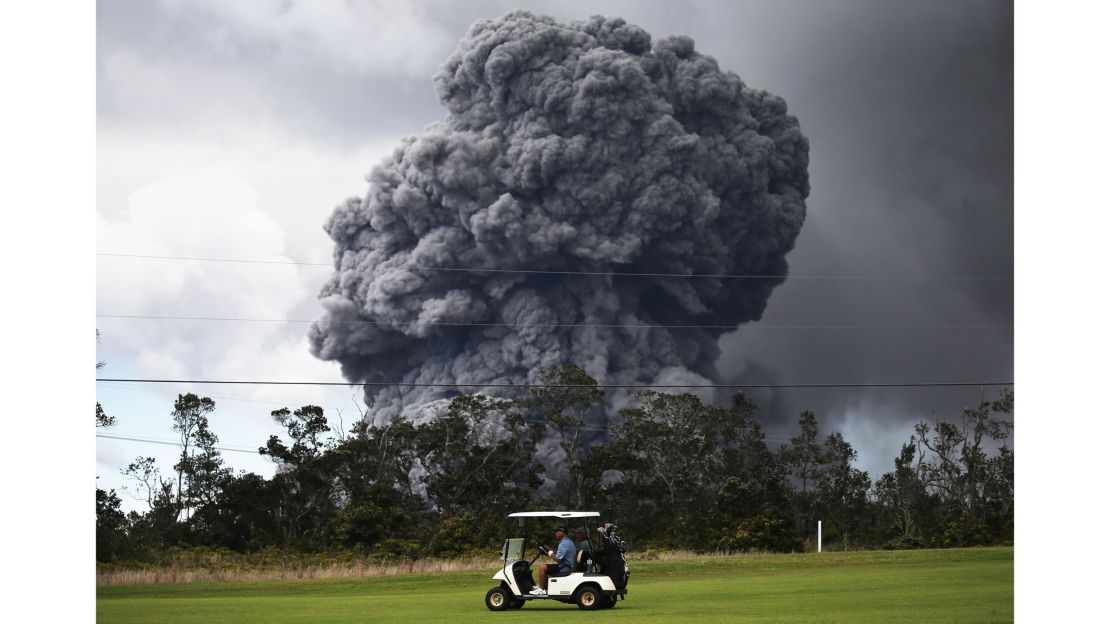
(580,147)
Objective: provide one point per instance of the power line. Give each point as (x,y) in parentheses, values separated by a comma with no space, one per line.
(234,260)
(529,386)
(170,442)
(222,397)
(715,275)
(583,325)
(606,428)
(586,427)
(230,449)
(593,273)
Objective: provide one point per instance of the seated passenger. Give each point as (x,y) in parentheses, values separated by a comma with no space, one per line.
(583,545)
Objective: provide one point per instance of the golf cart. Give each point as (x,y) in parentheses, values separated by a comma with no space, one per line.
(600,576)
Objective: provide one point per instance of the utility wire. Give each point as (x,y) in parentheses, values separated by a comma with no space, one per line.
(234,260)
(601,428)
(229,449)
(170,442)
(517,325)
(594,273)
(222,397)
(529,386)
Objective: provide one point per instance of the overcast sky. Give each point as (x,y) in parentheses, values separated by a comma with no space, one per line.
(231,130)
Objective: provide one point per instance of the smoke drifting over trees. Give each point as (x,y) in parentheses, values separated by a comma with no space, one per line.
(584,147)
(693,476)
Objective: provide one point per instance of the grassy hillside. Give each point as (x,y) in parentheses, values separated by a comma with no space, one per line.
(970,585)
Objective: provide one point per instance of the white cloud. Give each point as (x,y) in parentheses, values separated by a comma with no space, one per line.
(211,97)
(295,184)
(210,213)
(286,358)
(222,151)
(161,364)
(378,36)
(258,194)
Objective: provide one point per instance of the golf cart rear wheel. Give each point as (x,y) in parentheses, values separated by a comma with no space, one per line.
(497,599)
(588,598)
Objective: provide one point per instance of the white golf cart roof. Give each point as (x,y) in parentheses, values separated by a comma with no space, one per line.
(555,514)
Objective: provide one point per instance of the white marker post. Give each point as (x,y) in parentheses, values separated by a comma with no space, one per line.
(818,536)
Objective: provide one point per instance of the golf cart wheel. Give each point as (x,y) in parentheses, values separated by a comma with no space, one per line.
(608,602)
(516,603)
(588,598)
(497,599)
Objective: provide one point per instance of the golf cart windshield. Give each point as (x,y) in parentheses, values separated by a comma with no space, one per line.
(518,537)
(514,549)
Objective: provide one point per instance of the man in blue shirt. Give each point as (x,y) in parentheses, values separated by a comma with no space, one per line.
(564,560)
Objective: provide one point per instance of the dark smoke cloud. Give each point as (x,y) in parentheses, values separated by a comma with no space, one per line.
(567,147)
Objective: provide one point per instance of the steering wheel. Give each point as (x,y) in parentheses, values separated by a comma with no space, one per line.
(542,553)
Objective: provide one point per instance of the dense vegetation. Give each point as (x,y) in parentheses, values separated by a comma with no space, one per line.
(675,473)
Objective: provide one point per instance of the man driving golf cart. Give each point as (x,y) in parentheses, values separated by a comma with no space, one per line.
(564,561)
(593,575)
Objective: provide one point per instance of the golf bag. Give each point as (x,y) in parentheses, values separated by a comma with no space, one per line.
(609,557)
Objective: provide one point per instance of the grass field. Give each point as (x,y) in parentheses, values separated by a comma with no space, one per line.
(970,585)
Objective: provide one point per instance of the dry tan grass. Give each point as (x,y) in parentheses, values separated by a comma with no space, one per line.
(669,555)
(194,574)
(174,574)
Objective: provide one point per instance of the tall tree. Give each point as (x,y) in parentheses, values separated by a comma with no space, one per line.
(478,462)
(147,484)
(803,454)
(243,518)
(753,496)
(159,526)
(803,458)
(204,471)
(373,475)
(111,526)
(199,466)
(377,455)
(841,493)
(306,427)
(305,477)
(667,452)
(737,435)
(564,401)
(905,501)
(974,487)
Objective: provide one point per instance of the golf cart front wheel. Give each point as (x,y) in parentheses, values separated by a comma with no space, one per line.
(588,598)
(608,602)
(498,599)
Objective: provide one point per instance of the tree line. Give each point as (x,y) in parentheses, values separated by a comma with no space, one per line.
(676,472)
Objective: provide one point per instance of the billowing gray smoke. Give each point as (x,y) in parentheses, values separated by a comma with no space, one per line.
(581,147)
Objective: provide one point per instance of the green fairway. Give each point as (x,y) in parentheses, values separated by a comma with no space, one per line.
(970,585)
